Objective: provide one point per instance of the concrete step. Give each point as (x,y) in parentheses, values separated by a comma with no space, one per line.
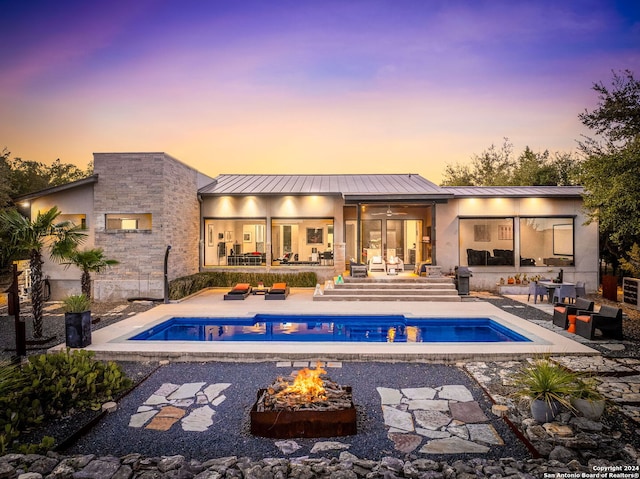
(380,297)
(395,286)
(396,280)
(391,292)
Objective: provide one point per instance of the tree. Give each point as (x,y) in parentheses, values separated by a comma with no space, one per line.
(617,116)
(612,160)
(89,261)
(19,177)
(497,167)
(29,238)
(5,183)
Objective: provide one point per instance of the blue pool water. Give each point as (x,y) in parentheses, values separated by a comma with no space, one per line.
(333,328)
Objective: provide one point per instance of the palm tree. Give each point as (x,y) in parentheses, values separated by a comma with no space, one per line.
(29,239)
(89,261)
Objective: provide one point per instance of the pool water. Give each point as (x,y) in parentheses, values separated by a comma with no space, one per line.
(332,328)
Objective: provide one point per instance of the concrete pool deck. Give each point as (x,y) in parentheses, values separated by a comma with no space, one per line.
(111,342)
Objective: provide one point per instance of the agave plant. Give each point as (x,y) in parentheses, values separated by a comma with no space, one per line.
(546,381)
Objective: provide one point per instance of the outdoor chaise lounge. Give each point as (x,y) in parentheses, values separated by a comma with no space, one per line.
(277,291)
(561,311)
(608,320)
(239,291)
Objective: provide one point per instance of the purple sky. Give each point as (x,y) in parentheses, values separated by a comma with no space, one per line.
(305,86)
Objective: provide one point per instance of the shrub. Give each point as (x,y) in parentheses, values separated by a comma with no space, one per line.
(187,285)
(53,385)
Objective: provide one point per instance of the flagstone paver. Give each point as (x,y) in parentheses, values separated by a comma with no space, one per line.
(467,412)
(199,419)
(419,393)
(187,390)
(328,445)
(447,418)
(455,392)
(397,419)
(389,395)
(453,445)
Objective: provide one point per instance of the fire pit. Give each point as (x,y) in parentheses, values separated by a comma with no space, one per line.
(310,406)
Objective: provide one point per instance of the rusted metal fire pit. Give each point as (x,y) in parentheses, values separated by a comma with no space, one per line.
(285,410)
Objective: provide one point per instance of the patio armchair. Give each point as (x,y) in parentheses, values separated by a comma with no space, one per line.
(580,289)
(537,290)
(561,311)
(357,270)
(376,263)
(565,292)
(608,320)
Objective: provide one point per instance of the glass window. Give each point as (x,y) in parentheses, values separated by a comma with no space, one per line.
(235,242)
(486,241)
(546,241)
(128,221)
(77,219)
(302,241)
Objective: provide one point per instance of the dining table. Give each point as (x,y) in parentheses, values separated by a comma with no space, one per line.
(551,286)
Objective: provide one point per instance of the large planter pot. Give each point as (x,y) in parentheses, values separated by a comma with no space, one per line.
(589,408)
(544,411)
(610,287)
(78,329)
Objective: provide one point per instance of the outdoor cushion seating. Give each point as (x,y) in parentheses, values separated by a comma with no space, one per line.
(357,270)
(608,321)
(239,291)
(561,311)
(277,291)
(376,263)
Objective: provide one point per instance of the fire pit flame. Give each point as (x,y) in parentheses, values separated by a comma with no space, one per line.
(307,386)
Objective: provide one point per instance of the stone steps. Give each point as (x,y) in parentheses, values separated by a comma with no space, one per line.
(392,289)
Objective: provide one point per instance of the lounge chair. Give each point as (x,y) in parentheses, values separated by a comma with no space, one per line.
(357,270)
(561,311)
(277,291)
(239,291)
(376,263)
(608,320)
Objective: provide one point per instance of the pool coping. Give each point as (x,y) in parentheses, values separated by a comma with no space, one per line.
(110,342)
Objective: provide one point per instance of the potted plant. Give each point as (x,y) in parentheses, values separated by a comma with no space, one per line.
(586,399)
(548,386)
(77,320)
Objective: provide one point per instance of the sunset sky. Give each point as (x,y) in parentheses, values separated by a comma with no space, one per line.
(326,86)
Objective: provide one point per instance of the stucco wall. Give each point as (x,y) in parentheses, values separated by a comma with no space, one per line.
(146,183)
(76,201)
(487,277)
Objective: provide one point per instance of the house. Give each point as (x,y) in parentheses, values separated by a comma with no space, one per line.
(137,204)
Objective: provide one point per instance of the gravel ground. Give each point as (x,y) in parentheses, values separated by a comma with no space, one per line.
(230,434)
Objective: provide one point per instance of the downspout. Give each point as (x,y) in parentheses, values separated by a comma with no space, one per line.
(200,241)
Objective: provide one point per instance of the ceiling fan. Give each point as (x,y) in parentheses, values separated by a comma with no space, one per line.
(389,213)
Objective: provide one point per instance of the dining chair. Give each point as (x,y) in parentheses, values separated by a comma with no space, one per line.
(580,289)
(565,293)
(537,290)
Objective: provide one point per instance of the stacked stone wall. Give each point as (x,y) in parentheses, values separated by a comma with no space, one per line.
(147,183)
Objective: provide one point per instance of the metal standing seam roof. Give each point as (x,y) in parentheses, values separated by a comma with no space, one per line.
(515,191)
(396,184)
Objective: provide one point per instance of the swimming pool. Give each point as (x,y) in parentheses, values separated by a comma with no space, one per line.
(331,328)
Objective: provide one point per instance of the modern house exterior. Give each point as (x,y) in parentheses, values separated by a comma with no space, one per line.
(137,204)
